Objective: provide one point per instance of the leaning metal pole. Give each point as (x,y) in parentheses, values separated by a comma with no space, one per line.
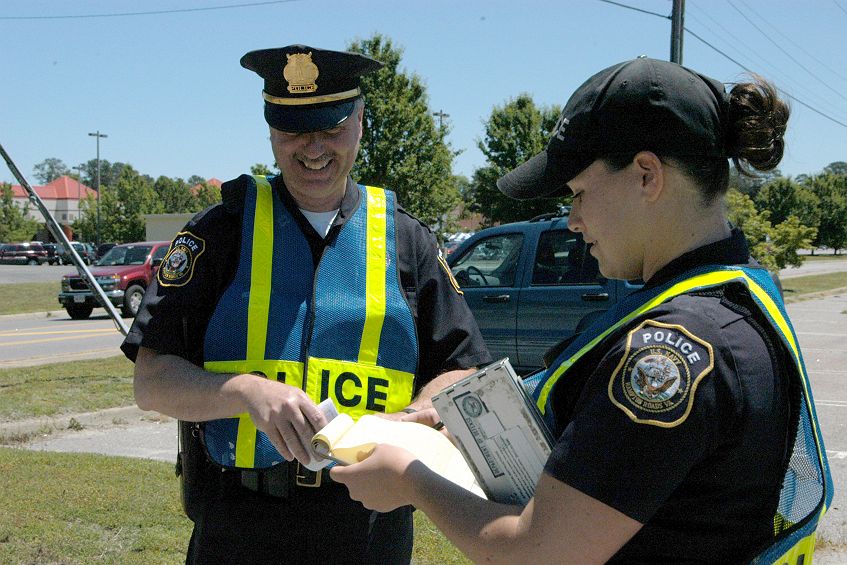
(57,232)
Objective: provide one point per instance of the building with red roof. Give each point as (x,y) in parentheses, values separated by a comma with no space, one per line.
(61,197)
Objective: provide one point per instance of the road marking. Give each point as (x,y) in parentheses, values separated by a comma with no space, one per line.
(55,332)
(29,361)
(836,454)
(838,403)
(52,339)
(824,334)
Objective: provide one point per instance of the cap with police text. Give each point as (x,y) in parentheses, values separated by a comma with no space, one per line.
(639,105)
(308,89)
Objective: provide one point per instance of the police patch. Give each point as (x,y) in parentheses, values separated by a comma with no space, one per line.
(658,374)
(178,266)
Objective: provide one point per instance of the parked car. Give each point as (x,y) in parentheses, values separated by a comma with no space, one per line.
(124,274)
(104,248)
(531,285)
(23,253)
(54,256)
(84,250)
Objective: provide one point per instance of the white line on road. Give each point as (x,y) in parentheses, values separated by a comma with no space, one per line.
(836,454)
(838,403)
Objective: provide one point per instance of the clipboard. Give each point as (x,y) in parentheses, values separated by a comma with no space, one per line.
(499,431)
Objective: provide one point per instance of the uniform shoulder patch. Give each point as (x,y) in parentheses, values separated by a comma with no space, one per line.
(178,265)
(450,276)
(657,377)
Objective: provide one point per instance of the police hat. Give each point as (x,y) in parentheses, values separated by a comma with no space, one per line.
(308,89)
(638,105)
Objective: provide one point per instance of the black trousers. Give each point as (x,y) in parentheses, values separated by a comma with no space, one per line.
(311,525)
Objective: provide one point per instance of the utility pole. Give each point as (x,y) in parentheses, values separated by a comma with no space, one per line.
(677,26)
(78,170)
(441,115)
(98,135)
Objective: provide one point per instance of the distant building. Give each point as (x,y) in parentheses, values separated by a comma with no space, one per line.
(211,182)
(61,197)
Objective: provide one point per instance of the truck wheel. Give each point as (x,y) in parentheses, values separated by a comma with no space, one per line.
(132,300)
(79,312)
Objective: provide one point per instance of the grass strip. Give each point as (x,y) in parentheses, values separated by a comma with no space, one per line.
(21,298)
(65,388)
(74,508)
(811,286)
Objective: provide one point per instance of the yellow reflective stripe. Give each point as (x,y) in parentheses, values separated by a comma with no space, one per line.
(260,270)
(805,548)
(245,443)
(706,279)
(372,385)
(375,276)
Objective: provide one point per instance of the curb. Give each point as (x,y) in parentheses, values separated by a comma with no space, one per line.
(37,315)
(69,422)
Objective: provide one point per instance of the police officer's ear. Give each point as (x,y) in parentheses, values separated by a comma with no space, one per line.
(652,174)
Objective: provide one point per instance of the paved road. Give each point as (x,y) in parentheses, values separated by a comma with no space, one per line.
(27,340)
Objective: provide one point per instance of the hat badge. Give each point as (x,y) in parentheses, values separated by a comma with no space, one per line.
(301,73)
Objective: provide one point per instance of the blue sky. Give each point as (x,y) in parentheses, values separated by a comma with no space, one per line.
(168,91)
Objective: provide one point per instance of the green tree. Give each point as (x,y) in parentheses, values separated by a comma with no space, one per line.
(262,169)
(836,168)
(49,170)
(194,180)
(15,225)
(751,185)
(775,247)
(831,191)
(401,148)
(109,172)
(783,198)
(122,209)
(514,133)
(173,196)
(206,196)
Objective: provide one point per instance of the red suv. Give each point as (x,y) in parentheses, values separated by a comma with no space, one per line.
(23,253)
(124,273)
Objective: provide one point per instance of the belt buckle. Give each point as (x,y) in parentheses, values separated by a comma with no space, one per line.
(307,478)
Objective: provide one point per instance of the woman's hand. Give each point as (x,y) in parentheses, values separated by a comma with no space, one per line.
(381,481)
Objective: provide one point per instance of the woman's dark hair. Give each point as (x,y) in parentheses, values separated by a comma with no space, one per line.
(753,139)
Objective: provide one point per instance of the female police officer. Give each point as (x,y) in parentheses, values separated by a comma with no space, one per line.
(677,413)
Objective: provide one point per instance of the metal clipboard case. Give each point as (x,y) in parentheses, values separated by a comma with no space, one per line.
(498,430)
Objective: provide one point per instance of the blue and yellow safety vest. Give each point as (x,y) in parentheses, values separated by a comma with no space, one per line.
(343,331)
(807,487)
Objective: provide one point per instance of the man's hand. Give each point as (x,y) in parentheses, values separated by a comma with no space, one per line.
(286,415)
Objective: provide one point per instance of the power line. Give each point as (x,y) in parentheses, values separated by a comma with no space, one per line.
(151,13)
(794,43)
(839,6)
(794,98)
(633,8)
(787,54)
(750,52)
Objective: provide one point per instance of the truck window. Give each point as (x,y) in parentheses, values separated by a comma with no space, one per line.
(490,262)
(562,258)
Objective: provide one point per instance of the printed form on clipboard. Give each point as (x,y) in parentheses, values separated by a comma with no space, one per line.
(498,429)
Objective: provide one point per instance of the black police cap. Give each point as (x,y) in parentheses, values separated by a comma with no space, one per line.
(638,105)
(308,89)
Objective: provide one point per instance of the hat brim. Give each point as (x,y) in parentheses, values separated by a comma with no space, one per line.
(543,177)
(299,119)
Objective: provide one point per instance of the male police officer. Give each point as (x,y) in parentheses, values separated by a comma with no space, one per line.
(295,289)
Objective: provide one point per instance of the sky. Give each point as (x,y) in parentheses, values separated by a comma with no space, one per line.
(168,91)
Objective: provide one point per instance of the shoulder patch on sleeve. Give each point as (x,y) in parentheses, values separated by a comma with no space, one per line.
(450,276)
(178,265)
(657,377)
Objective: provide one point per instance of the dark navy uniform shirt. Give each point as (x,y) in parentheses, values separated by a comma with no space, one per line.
(704,475)
(173,319)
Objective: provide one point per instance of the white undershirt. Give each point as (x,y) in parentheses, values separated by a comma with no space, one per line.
(321,221)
